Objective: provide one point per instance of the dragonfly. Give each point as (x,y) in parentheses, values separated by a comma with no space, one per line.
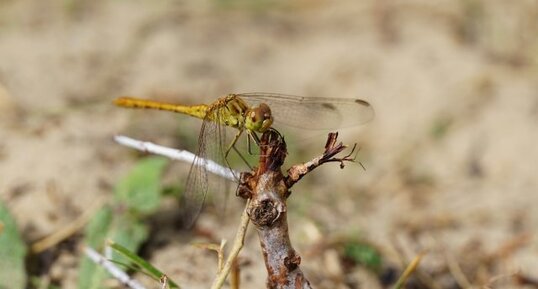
(253,114)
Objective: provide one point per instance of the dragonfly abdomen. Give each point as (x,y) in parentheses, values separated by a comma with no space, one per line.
(198,111)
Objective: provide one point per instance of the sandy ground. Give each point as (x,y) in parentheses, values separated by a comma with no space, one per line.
(451,155)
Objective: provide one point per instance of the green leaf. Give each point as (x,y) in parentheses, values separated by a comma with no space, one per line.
(130,233)
(137,194)
(97,229)
(12,253)
(173,191)
(40,282)
(365,254)
(140,190)
(141,263)
(118,225)
(90,274)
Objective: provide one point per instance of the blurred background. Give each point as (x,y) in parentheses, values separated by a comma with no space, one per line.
(450,157)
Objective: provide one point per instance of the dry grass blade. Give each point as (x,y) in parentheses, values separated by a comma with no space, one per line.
(68,230)
(412,267)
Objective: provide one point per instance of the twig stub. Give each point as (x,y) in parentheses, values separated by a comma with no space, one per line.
(268,201)
(332,148)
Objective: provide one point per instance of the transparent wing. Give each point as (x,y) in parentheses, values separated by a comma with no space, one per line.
(197,182)
(313,112)
(211,146)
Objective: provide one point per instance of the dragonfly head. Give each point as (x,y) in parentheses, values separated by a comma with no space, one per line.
(259,118)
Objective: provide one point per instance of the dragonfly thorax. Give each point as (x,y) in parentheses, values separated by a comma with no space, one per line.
(259,118)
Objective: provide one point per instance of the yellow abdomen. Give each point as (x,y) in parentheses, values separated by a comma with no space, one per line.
(198,111)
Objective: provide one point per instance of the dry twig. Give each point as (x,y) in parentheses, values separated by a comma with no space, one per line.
(267,188)
(175,154)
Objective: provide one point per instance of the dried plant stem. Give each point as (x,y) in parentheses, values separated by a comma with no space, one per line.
(221,255)
(236,248)
(412,267)
(297,172)
(68,230)
(175,154)
(111,268)
(219,249)
(235,274)
(456,271)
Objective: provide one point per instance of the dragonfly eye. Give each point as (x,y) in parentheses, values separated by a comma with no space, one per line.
(259,118)
(266,116)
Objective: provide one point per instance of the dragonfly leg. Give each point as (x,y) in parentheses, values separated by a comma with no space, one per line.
(254,136)
(232,146)
(248,144)
(256,139)
(242,157)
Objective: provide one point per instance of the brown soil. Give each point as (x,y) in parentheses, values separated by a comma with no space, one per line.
(450,156)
